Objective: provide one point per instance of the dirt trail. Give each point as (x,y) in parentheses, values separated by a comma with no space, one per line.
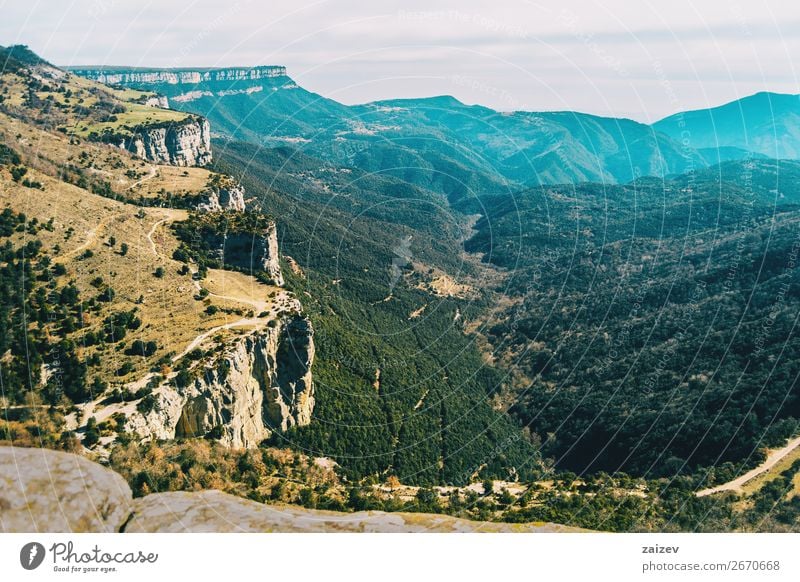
(273,307)
(153,230)
(197,341)
(258,306)
(102,413)
(92,236)
(152,174)
(772,459)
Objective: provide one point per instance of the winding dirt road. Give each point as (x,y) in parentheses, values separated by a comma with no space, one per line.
(274,306)
(772,459)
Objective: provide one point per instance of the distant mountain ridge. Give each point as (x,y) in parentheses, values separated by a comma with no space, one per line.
(766,124)
(439,142)
(465,150)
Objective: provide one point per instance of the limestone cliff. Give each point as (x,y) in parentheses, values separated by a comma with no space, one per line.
(159,101)
(250,251)
(227,197)
(269,257)
(128,76)
(259,383)
(184,143)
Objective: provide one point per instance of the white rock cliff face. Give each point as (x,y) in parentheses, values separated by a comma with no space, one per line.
(185,143)
(157,101)
(270,257)
(227,198)
(261,382)
(251,252)
(111,76)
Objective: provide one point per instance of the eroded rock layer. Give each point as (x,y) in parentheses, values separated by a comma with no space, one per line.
(259,383)
(184,143)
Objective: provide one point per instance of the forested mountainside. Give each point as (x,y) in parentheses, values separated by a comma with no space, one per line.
(370,307)
(115,330)
(383,378)
(440,143)
(400,387)
(463,150)
(654,324)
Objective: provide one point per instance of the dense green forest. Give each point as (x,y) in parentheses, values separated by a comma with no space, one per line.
(620,347)
(462,151)
(654,323)
(394,395)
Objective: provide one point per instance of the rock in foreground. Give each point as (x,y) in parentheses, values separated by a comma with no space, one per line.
(50,491)
(214,511)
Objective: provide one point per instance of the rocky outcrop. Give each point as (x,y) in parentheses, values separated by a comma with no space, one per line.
(157,101)
(270,260)
(182,143)
(224,198)
(250,252)
(214,511)
(190,96)
(260,383)
(123,76)
(292,400)
(294,266)
(50,491)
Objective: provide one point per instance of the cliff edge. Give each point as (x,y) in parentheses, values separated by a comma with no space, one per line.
(50,491)
(179,143)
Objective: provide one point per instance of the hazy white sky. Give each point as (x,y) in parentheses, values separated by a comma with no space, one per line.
(634,58)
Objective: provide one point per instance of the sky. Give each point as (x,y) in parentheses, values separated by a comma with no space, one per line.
(635,58)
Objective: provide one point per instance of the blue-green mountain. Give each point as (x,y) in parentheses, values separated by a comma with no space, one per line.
(438,142)
(764,124)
